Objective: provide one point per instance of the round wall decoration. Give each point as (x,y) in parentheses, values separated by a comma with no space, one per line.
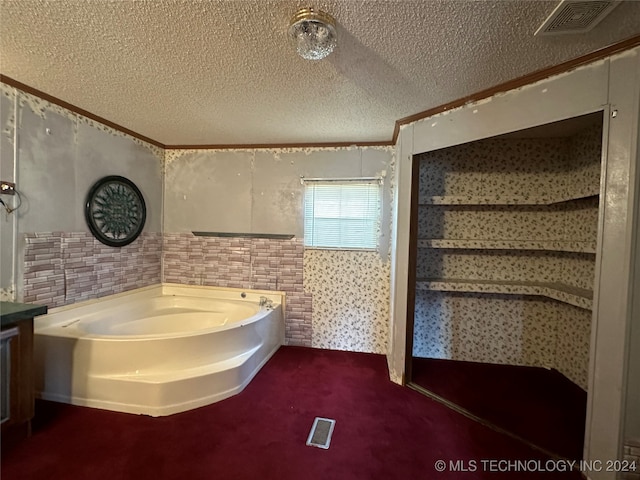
(115,211)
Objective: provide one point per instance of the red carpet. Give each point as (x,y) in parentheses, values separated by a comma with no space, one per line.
(383,431)
(538,404)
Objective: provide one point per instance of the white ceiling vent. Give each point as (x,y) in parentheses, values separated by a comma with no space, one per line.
(576,16)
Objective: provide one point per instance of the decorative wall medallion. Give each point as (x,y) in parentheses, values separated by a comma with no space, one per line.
(115,211)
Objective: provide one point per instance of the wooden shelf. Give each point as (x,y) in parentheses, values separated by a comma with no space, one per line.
(505,200)
(276,236)
(547,245)
(577,297)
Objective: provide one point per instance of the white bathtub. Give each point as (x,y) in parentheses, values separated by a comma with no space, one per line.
(157,350)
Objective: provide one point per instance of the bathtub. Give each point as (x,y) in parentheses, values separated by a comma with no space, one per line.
(157,350)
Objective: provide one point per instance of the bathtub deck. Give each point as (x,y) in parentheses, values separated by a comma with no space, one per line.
(177,375)
(156,374)
(160,394)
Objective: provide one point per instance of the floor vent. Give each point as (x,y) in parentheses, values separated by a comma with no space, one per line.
(320,435)
(576,16)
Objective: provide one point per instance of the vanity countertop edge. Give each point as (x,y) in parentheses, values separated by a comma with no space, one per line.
(13,312)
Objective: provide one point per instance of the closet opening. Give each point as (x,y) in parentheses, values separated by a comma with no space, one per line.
(503,254)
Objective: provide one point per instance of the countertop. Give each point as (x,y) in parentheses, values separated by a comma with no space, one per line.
(12,312)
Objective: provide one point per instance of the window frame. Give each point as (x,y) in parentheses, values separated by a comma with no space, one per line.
(377,181)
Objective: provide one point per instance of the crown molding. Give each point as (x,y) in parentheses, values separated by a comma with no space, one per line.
(75,109)
(520,82)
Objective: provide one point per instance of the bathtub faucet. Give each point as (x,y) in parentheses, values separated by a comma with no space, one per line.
(267,303)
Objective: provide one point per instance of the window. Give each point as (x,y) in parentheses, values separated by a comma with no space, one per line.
(342,213)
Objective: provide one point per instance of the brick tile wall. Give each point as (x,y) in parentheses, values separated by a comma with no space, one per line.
(226,262)
(67,267)
(251,263)
(175,260)
(632,456)
(265,263)
(43,272)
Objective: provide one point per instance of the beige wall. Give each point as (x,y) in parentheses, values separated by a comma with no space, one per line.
(57,155)
(259,191)
(60,154)
(632,419)
(339,299)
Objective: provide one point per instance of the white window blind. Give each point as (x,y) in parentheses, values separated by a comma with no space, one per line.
(341,214)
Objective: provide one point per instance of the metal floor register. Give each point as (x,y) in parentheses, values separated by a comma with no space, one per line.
(320,435)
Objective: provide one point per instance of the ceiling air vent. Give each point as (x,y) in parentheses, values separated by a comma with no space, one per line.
(576,16)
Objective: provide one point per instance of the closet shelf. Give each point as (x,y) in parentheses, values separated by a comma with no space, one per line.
(505,200)
(547,245)
(577,297)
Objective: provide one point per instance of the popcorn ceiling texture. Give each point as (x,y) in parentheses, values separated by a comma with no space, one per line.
(227,66)
(498,186)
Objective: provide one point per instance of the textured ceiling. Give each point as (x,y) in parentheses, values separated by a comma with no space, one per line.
(224,72)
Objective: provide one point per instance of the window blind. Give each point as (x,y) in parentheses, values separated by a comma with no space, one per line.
(341,214)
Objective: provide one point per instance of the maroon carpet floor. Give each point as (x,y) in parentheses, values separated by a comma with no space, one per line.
(538,404)
(383,431)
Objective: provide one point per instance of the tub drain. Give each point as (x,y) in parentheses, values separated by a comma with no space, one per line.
(320,435)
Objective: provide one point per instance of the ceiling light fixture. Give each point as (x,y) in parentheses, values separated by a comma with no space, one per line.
(314,33)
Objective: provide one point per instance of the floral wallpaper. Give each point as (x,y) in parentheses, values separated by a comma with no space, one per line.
(573,344)
(503,329)
(507,329)
(350,292)
(507,210)
(506,167)
(571,221)
(572,269)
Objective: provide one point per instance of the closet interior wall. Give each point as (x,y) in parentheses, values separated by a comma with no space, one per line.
(507,233)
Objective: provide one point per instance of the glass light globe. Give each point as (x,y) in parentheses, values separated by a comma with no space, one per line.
(313,33)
